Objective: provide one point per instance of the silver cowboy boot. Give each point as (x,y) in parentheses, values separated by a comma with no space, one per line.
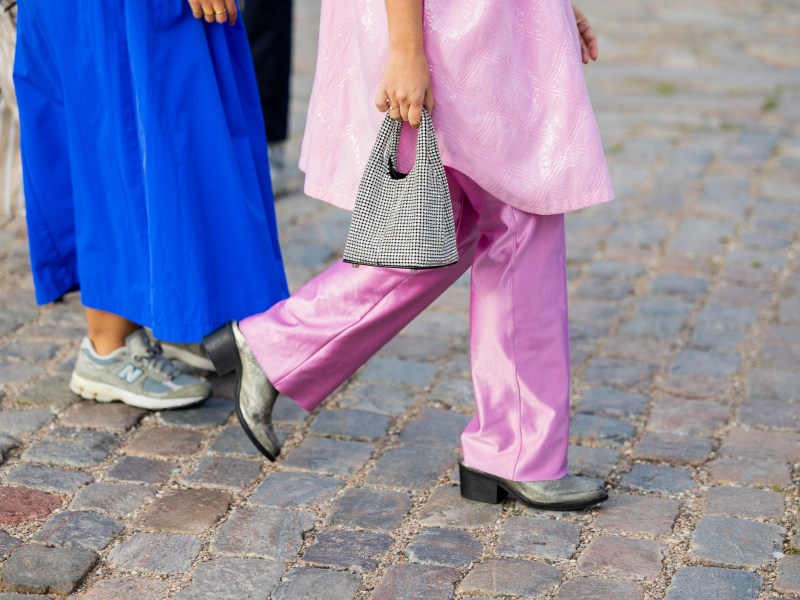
(568,493)
(255,396)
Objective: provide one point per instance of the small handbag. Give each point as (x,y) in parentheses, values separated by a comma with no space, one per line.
(403,220)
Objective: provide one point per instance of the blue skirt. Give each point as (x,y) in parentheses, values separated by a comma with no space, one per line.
(145,164)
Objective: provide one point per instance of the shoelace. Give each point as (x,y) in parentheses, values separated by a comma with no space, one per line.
(154,359)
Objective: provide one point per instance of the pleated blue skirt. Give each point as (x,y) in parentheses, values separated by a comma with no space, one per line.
(145,164)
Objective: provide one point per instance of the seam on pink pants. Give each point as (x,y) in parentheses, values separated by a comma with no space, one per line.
(514,343)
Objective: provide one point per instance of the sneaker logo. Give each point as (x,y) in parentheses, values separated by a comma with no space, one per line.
(129,373)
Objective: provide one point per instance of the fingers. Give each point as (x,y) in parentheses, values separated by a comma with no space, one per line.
(233,12)
(584,51)
(197,9)
(220,11)
(382,100)
(428,102)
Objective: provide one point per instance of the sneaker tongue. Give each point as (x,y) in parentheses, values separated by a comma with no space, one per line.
(138,343)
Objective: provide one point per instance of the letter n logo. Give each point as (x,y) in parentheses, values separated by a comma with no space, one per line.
(130,373)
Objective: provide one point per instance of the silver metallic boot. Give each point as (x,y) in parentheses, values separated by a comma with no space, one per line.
(568,493)
(255,395)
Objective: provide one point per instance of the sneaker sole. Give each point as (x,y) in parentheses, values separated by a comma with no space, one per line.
(103,392)
(186,357)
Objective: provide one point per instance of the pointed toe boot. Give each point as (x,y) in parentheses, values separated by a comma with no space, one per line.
(255,396)
(568,493)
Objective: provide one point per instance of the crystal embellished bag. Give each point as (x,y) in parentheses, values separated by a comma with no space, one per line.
(403,220)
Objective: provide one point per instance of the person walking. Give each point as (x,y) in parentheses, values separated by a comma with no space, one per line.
(146,182)
(520,146)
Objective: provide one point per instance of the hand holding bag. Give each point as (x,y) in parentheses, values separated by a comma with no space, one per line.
(403,221)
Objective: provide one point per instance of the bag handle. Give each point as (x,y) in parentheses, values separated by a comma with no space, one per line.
(389,139)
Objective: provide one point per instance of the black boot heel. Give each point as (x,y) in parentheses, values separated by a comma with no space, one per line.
(221,348)
(479,488)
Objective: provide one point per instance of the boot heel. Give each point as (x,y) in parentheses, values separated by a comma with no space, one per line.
(475,486)
(221,348)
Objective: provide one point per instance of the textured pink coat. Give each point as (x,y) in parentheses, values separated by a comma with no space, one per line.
(512,111)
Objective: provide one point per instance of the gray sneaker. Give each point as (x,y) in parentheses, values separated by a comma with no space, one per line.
(137,374)
(192,355)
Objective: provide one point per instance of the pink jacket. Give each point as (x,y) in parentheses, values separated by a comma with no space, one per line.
(512,111)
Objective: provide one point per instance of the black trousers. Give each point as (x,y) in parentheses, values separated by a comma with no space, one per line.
(269,28)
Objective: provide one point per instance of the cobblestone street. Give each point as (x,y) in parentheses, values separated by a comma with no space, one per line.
(685,316)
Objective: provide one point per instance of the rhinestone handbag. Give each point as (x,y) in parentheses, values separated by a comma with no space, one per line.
(402,220)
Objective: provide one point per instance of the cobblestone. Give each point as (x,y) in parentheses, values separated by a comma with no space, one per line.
(295,489)
(788,580)
(353,423)
(523,537)
(74,529)
(232,578)
(114,416)
(694,582)
(211,413)
(185,511)
(736,542)
(38,570)
(748,471)
(254,532)
(743,502)
(126,588)
(626,513)
(316,584)
(416,581)
(445,548)
(48,479)
(655,478)
(679,449)
(7,544)
(529,579)
(52,392)
(412,467)
(622,557)
(155,553)
(592,462)
(16,422)
(612,403)
(115,499)
(590,588)
(20,505)
(142,470)
(600,430)
(370,509)
(165,442)
(233,473)
(72,447)
(356,550)
(446,508)
(334,457)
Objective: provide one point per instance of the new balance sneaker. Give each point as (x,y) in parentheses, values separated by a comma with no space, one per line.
(137,374)
(192,355)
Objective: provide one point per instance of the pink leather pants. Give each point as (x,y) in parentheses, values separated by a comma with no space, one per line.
(519,342)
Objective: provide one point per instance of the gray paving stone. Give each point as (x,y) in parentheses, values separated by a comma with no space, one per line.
(336,457)
(51,392)
(736,542)
(143,470)
(621,557)
(601,288)
(219,471)
(379,398)
(15,596)
(49,479)
(446,508)
(454,391)
(283,488)
(655,478)
(16,422)
(357,550)
(351,423)
(730,317)
(127,588)
(29,352)
(35,569)
(646,326)
(687,417)
(526,578)
(7,544)
(155,553)
(600,430)
(316,584)
(233,440)
(435,427)
(625,513)
(710,364)
(691,583)
(19,373)
(113,416)
(679,449)
(73,529)
(115,499)
(523,537)
(412,467)
(254,532)
(166,442)
(185,511)
(622,373)
(7,443)
(233,579)
(679,285)
(716,339)
(608,402)
(765,445)
(370,509)
(771,384)
(211,413)
(591,588)
(788,575)
(444,548)
(747,471)
(592,462)
(288,411)
(743,502)
(417,347)
(414,581)
(399,371)
(72,447)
